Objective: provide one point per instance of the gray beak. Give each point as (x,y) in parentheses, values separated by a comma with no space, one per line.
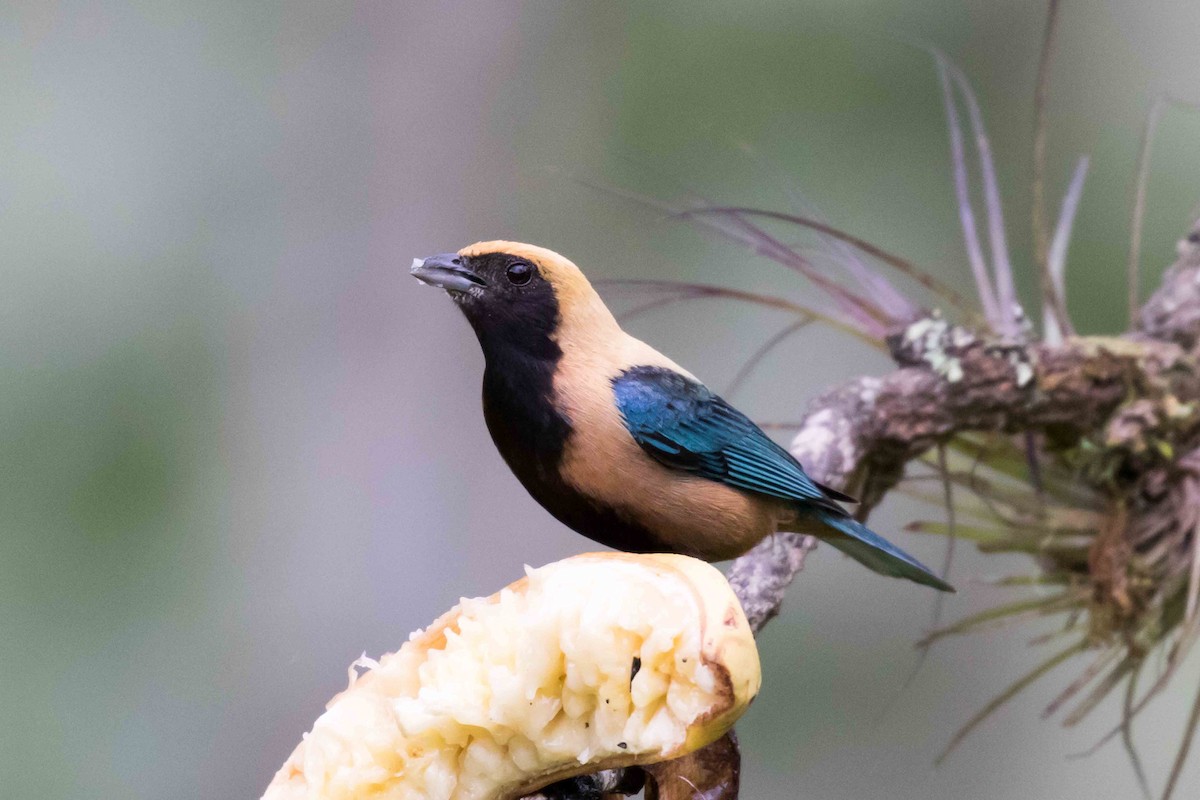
(447,272)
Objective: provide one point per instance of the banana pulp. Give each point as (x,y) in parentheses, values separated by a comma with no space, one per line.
(593,662)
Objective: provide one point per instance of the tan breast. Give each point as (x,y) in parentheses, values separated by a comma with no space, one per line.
(689,514)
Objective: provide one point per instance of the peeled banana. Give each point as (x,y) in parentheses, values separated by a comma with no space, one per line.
(598,661)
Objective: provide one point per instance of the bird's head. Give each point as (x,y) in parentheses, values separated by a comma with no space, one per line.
(512,293)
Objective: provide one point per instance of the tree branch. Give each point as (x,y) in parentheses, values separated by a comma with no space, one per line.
(950,380)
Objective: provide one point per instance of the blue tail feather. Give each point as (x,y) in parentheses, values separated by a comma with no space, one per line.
(873,551)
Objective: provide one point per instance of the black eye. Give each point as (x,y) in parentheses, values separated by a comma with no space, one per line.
(519,273)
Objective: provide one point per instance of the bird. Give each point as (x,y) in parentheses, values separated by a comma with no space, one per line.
(616,440)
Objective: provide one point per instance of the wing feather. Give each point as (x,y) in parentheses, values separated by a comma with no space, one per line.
(680,423)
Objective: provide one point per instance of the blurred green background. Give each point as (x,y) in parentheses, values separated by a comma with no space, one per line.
(239,445)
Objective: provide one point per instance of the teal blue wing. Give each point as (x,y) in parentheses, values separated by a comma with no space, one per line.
(682,424)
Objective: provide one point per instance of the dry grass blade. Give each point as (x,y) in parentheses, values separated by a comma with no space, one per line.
(1193,590)
(1044,579)
(670,211)
(1102,690)
(1066,630)
(1000,454)
(1009,612)
(1012,691)
(951,532)
(1174,659)
(1056,322)
(966,213)
(1074,687)
(1041,99)
(868,319)
(654,305)
(762,352)
(697,291)
(902,265)
(895,302)
(965,507)
(1189,733)
(990,526)
(971,533)
(951,524)
(779,426)
(1127,731)
(1141,186)
(864,311)
(1006,292)
(1072,554)
(1019,509)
